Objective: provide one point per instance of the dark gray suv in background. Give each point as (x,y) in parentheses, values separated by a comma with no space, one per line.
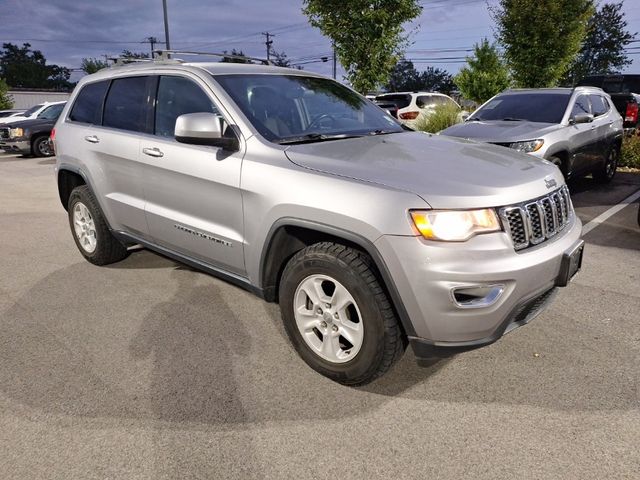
(578,129)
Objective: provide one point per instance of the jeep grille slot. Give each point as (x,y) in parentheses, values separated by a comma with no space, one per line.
(531,223)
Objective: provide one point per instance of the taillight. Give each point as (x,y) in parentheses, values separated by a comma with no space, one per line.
(52,137)
(409,115)
(631,115)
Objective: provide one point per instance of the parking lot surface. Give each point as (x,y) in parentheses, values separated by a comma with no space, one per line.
(147,369)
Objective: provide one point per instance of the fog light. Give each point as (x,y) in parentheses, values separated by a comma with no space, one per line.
(479,296)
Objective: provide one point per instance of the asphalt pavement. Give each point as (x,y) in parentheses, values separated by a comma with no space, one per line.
(148,369)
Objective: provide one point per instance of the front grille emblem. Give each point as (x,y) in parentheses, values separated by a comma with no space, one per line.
(550,182)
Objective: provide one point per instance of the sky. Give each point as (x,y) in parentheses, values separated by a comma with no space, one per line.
(67,31)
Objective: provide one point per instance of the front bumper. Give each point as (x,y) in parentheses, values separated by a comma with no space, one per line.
(426,273)
(16,146)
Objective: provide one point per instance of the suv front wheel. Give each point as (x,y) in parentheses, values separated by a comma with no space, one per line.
(90,231)
(337,315)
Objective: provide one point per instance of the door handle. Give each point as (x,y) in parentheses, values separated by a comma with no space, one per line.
(92,139)
(153,152)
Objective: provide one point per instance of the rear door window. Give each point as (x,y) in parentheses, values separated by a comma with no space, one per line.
(88,105)
(178,96)
(126,104)
(599,105)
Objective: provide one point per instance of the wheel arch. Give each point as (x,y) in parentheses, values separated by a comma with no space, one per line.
(68,179)
(287,236)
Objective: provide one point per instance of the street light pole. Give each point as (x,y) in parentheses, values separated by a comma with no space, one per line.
(166,25)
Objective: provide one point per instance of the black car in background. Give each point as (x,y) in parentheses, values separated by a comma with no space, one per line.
(31,137)
(624,90)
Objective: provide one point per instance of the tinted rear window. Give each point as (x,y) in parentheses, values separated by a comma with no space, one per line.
(88,105)
(400,101)
(599,105)
(531,107)
(126,104)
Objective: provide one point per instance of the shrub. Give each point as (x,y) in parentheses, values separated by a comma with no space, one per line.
(630,156)
(443,116)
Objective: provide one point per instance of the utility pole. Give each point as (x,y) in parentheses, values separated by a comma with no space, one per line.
(268,43)
(152,41)
(334,61)
(166,25)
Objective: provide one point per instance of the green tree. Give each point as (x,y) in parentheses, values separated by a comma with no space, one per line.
(435,79)
(235,52)
(403,77)
(603,50)
(5,101)
(541,38)
(92,65)
(26,68)
(485,74)
(368,35)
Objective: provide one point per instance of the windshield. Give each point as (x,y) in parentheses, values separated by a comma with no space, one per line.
(287,108)
(531,107)
(32,110)
(52,112)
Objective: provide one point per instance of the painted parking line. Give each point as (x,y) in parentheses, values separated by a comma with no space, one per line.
(603,217)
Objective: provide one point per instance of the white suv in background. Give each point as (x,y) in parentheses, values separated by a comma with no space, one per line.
(412,105)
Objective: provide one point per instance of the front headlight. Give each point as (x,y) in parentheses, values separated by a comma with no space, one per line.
(528,146)
(16,132)
(455,225)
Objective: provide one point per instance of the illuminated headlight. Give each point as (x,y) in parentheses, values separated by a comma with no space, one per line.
(16,132)
(455,225)
(528,146)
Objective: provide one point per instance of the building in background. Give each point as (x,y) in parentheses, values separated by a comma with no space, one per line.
(27,98)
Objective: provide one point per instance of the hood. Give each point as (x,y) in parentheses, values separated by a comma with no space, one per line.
(444,171)
(35,122)
(499,131)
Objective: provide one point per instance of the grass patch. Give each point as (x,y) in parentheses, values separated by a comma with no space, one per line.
(630,155)
(443,116)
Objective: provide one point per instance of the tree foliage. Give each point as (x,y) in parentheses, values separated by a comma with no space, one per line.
(405,77)
(541,38)
(5,101)
(235,52)
(367,34)
(280,59)
(485,74)
(92,65)
(603,50)
(26,68)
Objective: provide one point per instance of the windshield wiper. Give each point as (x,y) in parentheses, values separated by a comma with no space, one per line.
(315,137)
(382,132)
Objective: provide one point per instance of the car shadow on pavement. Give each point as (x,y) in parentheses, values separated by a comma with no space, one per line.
(179,347)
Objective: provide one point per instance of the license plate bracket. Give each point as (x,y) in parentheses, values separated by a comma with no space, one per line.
(571,264)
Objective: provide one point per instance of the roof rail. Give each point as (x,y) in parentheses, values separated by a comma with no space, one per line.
(164,55)
(120,61)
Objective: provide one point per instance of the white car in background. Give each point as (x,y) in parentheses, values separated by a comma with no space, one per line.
(30,114)
(414,105)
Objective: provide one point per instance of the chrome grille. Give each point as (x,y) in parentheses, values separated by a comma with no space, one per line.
(4,133)
(531,223)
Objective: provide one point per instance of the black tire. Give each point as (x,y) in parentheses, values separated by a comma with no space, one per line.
(383,341)
(606,172)
(107,248)
(557,161)
(40,147)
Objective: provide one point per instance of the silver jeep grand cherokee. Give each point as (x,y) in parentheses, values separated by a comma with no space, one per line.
(295,187)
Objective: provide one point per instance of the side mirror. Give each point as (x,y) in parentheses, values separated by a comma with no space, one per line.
(204,129)
(581,118)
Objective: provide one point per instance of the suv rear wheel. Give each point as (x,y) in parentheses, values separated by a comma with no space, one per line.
(337,315)
(606,172)
(90,230)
